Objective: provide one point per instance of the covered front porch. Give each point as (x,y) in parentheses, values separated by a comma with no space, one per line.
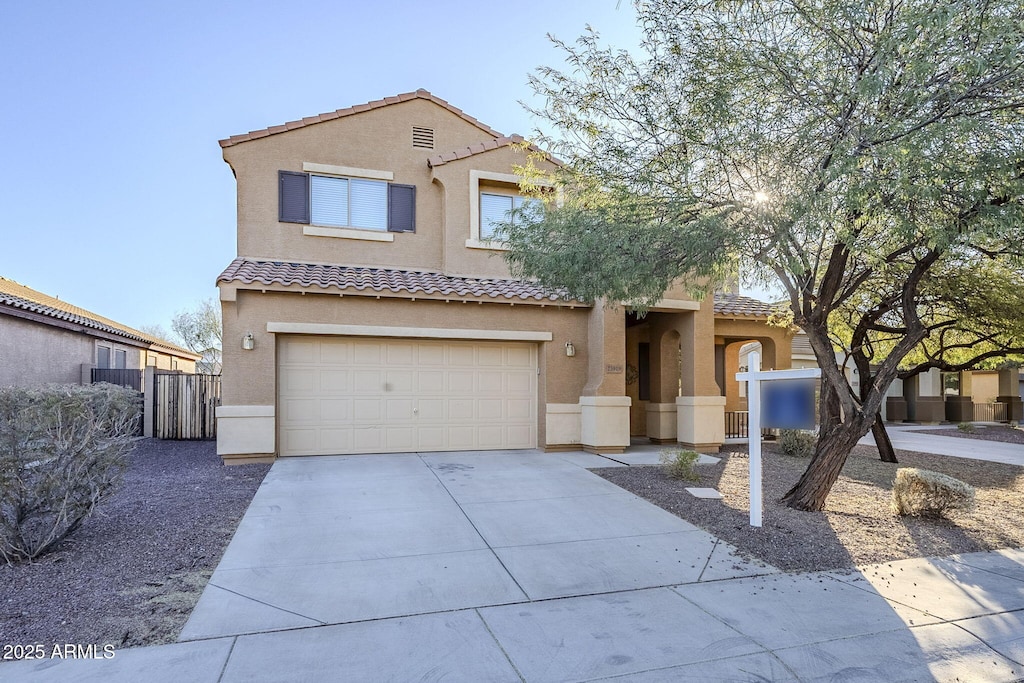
(681,368)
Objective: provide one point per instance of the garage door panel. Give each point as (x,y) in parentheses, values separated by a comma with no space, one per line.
(297,351)
(461,355)
(490,436)
(398,353)
(431,409)
(520,436)
(461,409)
(300,381)
(367,410)
(367,382)
(348,395)
(490,383)
(490,356)
(519,357)
(461,438)
(489,409)
(461,382)
(398,409)
(367,353)
(520,383)
(400,381)
(367,440)
(430,355)
(335,381)
(299,440)
(336,410)
(301,411)
(336,353)
(520,409)
(336,440)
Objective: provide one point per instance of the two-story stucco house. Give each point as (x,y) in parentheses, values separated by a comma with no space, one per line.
(369,310)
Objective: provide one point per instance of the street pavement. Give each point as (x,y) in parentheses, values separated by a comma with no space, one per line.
(524,566)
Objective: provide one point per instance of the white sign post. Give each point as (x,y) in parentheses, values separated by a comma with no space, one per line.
(753,377)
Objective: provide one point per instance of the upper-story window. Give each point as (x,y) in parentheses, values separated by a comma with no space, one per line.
(492,196)
(344,204)
(497,208)
(348,202)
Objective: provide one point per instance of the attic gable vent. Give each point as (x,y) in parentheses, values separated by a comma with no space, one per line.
(423,137)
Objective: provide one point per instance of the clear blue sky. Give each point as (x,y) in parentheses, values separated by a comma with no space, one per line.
(114,193)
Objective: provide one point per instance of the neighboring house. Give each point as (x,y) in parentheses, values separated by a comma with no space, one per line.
(45,340)
(369,309)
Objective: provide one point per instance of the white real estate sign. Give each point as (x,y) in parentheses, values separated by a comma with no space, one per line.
(753,377)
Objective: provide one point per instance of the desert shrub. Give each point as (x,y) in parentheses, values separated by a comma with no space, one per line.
(680,464)
(923,493)
(63,450)
(966,427)
(797,442)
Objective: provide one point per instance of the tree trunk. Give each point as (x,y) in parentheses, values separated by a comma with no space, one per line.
(817,480)
(885,450)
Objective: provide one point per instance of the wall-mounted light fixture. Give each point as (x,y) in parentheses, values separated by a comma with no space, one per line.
(248,342)
(570,350)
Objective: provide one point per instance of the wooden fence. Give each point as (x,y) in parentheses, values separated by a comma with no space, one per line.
(185,406)
(119,376)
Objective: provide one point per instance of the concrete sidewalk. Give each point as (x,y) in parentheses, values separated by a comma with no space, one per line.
(917,438)
(523,566)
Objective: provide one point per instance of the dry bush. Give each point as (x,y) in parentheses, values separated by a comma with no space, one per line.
(63,450)
(680,464)
(797,442)
(923,493)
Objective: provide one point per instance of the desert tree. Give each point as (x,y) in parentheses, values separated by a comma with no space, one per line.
(865,157)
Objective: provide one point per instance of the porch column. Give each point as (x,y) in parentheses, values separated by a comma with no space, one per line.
(604,406)
(1009,388)
(700,409)
(661,409)
(931,407)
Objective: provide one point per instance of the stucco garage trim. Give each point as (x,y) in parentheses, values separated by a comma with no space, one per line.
(411,332)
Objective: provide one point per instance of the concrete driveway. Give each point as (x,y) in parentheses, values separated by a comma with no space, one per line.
(343,539)
(524,566)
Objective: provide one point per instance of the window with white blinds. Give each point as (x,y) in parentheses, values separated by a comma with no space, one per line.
(348,202)
(495,208)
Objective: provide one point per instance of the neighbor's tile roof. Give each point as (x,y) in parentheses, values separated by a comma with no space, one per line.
(737,305)
(19,296)
(357,109)
(249,271)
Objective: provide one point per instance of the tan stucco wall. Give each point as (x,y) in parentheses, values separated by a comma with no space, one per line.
(380,139)
(250,376)
(32,354)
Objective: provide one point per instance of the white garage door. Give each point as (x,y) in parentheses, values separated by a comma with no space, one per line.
(361,395)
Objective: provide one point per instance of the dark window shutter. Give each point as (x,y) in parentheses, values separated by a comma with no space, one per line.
(401,208)
(293,197)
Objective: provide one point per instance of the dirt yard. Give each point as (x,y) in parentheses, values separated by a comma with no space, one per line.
(856,527)
(133,572)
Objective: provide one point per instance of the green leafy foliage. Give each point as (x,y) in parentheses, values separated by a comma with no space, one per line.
(680,464)
(865,157)
(63,450)
(966,428)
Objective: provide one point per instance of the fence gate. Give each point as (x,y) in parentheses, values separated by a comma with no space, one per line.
(185,406)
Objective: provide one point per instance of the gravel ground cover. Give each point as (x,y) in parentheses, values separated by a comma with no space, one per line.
(981,432)
(856,526)
(133,572)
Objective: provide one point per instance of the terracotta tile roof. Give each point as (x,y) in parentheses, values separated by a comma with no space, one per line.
(737,305)
(249,271)
(478,148)
(358,109)
(19,296)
